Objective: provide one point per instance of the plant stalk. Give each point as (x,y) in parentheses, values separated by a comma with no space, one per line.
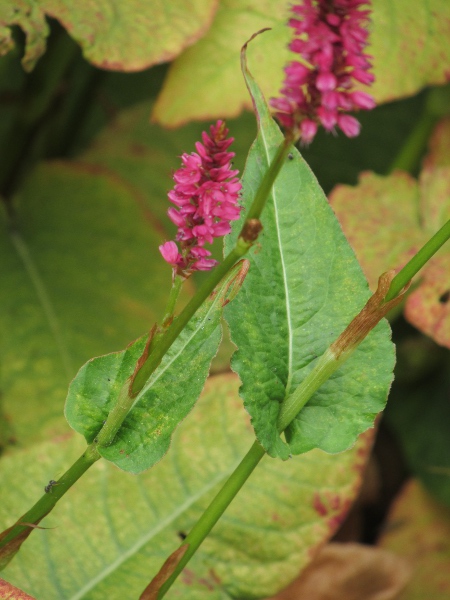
(389,293)
(246,239)
(54,491)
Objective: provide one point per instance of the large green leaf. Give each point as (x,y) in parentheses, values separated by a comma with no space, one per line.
(408,42)
(303,288)
(165,399)
(81,277)
(123,36)
(112,531)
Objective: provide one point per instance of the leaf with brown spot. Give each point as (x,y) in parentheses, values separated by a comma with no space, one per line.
(10,592)
(418,529)
(387,220)
(350,572)
(268,533)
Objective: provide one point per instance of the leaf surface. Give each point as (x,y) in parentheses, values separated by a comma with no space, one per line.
(398,214)
(408,43)
(81,276)
(418,529)
(113,531)
(126,36)
(303,288)
(166,398)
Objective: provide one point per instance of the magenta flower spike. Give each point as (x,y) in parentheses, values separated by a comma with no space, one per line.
(330,37)
(205,195)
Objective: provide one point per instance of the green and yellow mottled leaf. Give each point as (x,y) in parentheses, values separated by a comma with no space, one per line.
(122,36)
(112,532)
(387,220)
(81,276)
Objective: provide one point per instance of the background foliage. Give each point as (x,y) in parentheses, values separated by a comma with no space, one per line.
(83,179)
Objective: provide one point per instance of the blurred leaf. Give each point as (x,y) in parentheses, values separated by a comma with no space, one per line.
(113,531)
(206,82)
(408,42)
(166,398)
(303,288)
(9,592)
(350,572)
(125,36)
(419,413)
(409,46)
(82,277)
(30,17)
(418,529)
(140,152)
(387,220)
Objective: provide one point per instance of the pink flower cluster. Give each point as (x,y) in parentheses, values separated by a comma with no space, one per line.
(206,195)
(330,36)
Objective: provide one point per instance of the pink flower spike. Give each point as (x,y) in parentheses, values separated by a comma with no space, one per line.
(330,37)
(206,195)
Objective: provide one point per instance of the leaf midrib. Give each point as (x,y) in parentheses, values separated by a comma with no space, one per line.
(284,273)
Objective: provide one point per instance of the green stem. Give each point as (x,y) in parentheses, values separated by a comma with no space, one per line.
(215,510)
(332,359)
(409,156)
(244,242)
(435,107)
(171,302)
(293,404)
(411,268)
(55,491)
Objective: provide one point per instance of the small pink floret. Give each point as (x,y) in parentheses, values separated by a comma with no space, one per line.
(170,254)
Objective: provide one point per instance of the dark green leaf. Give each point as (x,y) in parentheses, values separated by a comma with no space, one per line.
(303,288)
(164,401)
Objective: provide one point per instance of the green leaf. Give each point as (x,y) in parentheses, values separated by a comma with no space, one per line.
(81,276)
(304,286)
(210,70)
(127,36)
(30,17)
(166,398)
(409,46)
(113,531)
(408,43)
